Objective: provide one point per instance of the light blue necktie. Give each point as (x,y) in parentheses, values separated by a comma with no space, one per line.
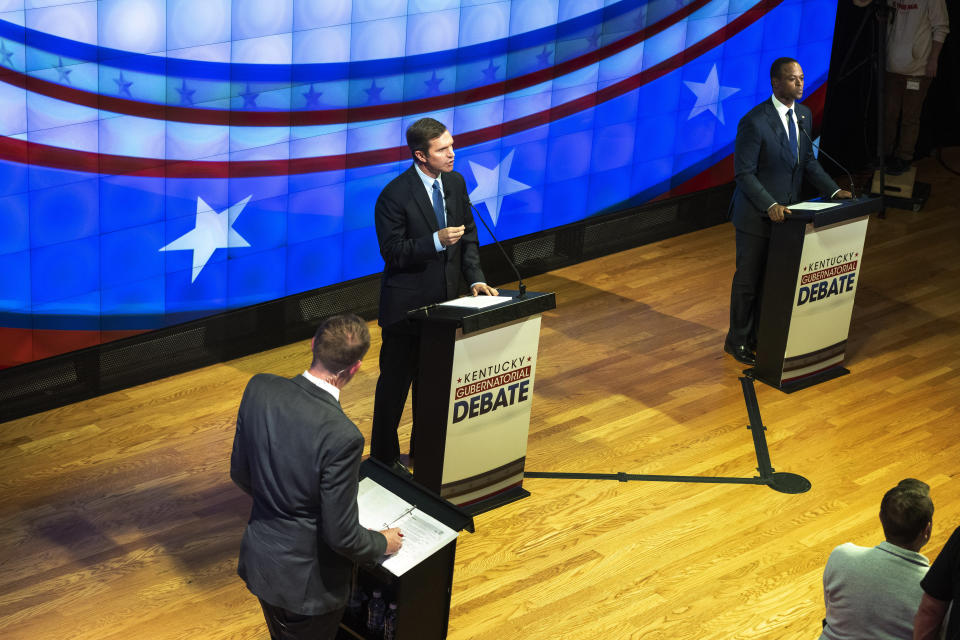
(438,205)
(792,128)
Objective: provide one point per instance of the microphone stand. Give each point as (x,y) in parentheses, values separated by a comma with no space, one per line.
(522,288)
(883,17)
(877,12)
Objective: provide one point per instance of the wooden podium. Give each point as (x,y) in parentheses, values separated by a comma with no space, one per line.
(423,593)
(811,278)
(471,413)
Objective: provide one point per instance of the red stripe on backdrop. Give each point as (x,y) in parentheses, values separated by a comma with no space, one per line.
(70,159)
(285,118)
(19,346)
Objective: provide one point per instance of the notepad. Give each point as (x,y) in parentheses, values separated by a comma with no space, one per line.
(476,302)
(813,206)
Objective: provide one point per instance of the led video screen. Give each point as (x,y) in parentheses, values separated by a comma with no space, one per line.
(166,160)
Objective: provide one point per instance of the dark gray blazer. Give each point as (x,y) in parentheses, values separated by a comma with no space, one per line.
(298,455)
(765,170)
(415,274)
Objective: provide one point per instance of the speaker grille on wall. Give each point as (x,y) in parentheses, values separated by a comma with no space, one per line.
(359,296)
(627,231)
(144,354)
(44,380)
(541,248)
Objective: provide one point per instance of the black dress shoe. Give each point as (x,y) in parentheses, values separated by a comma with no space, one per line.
(400,469)
(740,353)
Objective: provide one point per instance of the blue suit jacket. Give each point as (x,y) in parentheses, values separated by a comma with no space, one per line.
(298,455)
(765,168)
(415,274)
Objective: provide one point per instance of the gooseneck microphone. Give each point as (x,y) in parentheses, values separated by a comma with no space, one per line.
(853,188)
(520,286)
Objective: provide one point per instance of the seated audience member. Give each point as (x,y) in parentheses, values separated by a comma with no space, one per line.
(941,588)
(872,593)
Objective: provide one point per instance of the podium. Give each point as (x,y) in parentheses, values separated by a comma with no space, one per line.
(813,265)
(422,594)
(471,412)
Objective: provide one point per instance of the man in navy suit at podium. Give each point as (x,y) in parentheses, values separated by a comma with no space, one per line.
(772,155)
(428,241)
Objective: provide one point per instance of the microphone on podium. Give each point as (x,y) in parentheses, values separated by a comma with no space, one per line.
(522,288)
(853,188)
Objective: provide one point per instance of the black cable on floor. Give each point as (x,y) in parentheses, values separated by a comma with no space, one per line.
(782,482)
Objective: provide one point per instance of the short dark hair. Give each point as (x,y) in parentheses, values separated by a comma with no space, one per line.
(421,132)
(340,341)
(905,510)
(776,69)
(915,485)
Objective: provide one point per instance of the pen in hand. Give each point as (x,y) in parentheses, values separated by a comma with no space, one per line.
(394,540)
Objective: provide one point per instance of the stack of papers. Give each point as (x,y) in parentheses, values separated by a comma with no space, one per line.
(475,302)
(813,206)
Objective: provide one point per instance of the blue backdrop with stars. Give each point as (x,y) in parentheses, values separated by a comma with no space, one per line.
(164,160)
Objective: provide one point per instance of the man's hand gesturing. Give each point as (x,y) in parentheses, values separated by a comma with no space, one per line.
(450,236)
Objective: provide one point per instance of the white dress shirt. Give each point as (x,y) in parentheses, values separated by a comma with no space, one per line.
(428,185)
(323,384)
(782,112)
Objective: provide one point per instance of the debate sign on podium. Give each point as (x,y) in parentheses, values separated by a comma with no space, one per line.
(809,290)
(471,439)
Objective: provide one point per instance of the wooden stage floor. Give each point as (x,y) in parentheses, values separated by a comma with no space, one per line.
(119,521)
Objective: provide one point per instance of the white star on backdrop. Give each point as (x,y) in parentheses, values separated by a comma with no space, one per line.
(494,184)
(710,95)
(211,231)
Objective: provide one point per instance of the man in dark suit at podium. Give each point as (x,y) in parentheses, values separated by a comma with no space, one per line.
(428,241)
(298,455)
(771,158)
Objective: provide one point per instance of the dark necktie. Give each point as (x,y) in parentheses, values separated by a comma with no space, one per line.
(438,201)
(792,128)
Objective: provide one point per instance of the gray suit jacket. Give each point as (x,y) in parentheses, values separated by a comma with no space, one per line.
(765,168)
(298,455)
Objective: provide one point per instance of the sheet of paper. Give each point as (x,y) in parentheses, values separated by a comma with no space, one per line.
(476,302)
(423,535)
(813,206)
(379,508)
